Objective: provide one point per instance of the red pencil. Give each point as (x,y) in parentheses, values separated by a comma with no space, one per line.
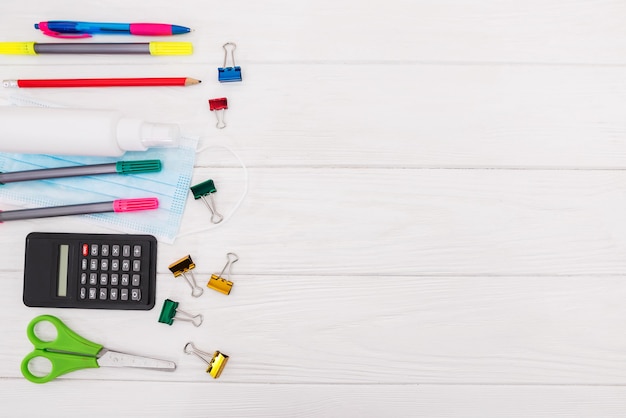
(102,82)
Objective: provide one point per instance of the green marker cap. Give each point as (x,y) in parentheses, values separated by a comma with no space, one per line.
(140,166)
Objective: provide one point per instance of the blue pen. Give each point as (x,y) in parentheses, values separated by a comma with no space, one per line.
(70,29)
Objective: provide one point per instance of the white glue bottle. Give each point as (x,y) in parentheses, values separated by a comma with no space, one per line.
(62,131)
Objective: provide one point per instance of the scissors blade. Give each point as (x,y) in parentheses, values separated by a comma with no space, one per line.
(109,358)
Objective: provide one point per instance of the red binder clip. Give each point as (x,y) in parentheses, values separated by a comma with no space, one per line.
(219,105)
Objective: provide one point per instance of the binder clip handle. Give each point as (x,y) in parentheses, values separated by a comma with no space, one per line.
(196,291)
(196,320)
(219,115)
(216,217)
(190,348)
(232,53)
(231,258)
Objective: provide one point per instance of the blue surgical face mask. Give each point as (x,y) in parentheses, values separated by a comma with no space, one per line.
(170,186)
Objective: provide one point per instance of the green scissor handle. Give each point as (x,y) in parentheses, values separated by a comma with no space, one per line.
(67,352)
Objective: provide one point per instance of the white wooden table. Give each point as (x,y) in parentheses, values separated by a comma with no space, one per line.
(434,224)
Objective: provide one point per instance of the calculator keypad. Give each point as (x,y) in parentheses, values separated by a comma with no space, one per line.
(112,272)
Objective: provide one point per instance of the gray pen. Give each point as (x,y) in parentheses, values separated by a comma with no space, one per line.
(120,167)
(118,205)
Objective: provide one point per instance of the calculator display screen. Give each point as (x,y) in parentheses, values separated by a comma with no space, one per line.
(64,251)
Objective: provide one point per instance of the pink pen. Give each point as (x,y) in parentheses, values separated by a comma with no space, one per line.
(119,205)
(71,29)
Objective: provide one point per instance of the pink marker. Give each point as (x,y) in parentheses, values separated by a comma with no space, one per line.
(119,205)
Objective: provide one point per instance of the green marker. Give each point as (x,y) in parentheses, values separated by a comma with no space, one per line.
(120,167)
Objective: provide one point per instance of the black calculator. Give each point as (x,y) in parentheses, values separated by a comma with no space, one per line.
(90,271)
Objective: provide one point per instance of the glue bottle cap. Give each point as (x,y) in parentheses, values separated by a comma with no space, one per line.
(139,135)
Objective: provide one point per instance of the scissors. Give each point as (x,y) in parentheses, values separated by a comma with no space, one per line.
(69,352)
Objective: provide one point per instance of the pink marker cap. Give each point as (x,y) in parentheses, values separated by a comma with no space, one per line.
(132,205)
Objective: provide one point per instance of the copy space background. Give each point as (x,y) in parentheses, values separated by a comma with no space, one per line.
(434,225)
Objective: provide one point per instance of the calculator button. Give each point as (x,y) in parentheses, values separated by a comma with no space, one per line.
(94,249)
(93,264)
(137,251)
(136,280)
(136,265)
(104,264)
(115,265)
(92,293)
(85,250)
(103,293)
(125,265)
(93,279)
(115,250)
(113,294)
(114,279)
(83,293)
(135,294)
(124,294)
(125,279)
(126,251)
(104,278)
(104,250)
(83,264)
(83,278)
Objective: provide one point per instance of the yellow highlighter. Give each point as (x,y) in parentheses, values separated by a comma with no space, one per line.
(130,48)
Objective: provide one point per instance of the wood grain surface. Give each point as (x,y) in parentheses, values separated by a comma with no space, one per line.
(429,221)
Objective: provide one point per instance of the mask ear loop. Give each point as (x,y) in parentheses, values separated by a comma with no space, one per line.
(21,99)
(243,194)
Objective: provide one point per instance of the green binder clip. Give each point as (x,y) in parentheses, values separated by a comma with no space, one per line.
(169,311)
(205,192)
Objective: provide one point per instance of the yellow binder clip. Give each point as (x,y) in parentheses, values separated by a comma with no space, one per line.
(215,365)
(181,268)
(220,283)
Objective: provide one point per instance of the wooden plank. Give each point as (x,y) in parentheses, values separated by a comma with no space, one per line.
(361,329)
(397,222)
(167,399)
(554,31)
(426,116)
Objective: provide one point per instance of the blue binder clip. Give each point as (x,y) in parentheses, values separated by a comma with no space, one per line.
(229,74)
